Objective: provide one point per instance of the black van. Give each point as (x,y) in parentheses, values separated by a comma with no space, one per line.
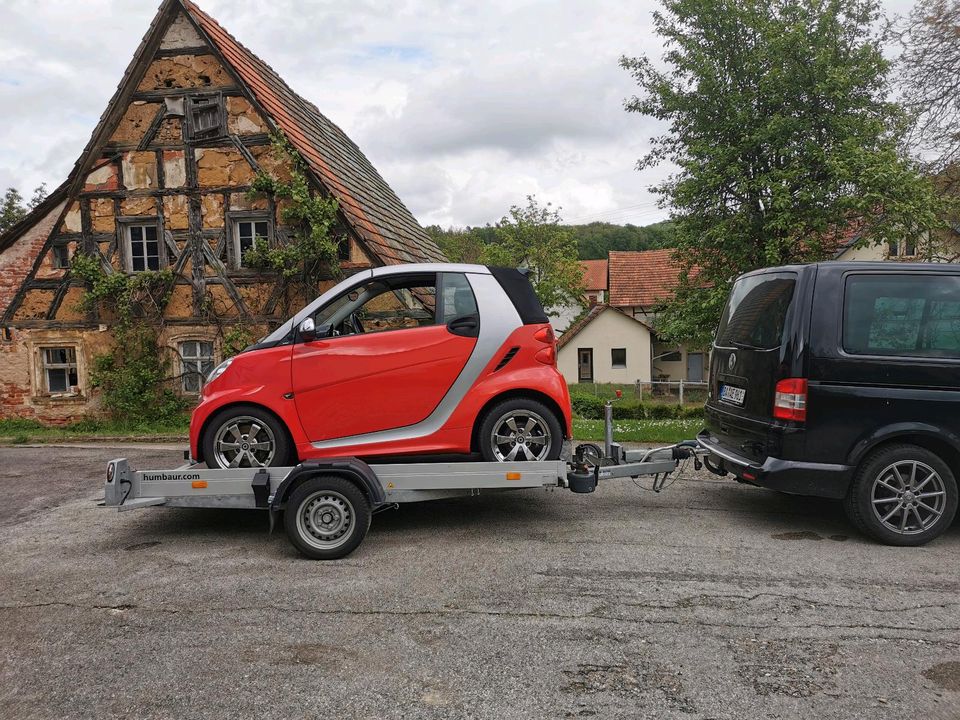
(842,380)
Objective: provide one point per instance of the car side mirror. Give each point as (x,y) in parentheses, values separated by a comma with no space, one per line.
(308,330)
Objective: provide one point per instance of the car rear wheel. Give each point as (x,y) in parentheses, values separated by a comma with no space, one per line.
(245,436)
(902,495)
(520,429)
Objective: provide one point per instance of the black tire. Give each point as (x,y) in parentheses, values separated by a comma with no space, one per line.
(347,514)
(545,422)
(923,515)
(268,427)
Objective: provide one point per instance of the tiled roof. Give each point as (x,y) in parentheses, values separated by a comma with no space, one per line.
(594,313)
(371,207)
(594,274)
(642,278)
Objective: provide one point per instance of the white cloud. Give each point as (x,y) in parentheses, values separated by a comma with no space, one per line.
(464,107)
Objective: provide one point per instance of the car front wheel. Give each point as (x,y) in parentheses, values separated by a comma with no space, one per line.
(245,436)
(902,495)
(520,429)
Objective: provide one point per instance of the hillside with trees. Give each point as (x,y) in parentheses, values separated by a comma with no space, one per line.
(593,240)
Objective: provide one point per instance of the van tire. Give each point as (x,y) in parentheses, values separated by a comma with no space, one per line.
(876,480)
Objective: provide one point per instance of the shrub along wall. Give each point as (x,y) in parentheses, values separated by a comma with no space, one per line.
(590,407)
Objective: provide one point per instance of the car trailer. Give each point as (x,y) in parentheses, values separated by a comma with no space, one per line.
(327,504)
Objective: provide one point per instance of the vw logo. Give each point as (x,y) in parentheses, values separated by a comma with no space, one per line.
(732,361)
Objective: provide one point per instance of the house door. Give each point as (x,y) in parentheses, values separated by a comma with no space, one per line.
(694,367)
(585,365)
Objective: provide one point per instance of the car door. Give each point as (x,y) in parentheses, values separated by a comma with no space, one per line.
(393,353)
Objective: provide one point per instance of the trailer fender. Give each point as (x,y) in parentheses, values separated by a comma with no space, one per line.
(350,468)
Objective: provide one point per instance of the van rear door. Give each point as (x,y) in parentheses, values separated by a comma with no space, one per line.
(749,357)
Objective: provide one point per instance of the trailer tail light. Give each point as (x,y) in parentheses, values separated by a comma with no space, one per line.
(790,400)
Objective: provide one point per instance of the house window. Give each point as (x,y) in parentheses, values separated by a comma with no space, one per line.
(673,356)
(61,257)
(142,247)
(205,117)
(903,248)
(196,362)
(59,365)
(246,232)
(618,357)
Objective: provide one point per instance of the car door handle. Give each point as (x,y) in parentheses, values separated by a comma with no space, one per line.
(466,326)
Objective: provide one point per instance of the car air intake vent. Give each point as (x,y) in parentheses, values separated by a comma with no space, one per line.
(507,358)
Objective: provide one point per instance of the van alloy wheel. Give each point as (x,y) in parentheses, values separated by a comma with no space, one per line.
(244,441)
(520,435)
(908,497)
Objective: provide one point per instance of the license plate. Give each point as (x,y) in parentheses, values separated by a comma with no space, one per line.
(732,395)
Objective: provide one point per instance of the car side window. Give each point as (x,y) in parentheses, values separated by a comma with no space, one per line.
(907,315)
(458,298)
(383,304)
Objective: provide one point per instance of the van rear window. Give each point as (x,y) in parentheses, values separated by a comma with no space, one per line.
(756,311)
(913,316)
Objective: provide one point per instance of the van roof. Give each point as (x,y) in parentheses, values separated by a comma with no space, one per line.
(885,265)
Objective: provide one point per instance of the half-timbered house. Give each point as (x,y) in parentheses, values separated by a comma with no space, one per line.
(164,183)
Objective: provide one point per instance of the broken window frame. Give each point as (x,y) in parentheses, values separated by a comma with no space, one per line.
(206,104)
(68,367)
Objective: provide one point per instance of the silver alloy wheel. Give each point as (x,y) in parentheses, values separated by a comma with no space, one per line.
(520,435)
(244,441)
(908,497)
(325,519)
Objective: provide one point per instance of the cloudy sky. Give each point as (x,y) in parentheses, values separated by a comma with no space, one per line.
(464,107)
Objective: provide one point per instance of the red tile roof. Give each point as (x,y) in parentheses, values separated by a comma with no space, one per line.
(594,313)
(642,278)
(368,203)
(594,274)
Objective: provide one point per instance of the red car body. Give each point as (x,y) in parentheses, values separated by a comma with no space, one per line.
(331,389)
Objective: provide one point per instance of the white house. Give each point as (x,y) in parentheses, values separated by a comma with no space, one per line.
(606,346)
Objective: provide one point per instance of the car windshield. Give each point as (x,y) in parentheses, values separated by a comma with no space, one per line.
(756,312)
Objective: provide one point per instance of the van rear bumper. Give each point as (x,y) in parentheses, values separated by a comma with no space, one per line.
(789,476)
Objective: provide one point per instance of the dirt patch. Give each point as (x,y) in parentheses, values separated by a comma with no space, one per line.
(799,535)
(946,675)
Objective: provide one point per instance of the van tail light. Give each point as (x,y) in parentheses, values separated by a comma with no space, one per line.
(545,335)
(790,400)
(548,356)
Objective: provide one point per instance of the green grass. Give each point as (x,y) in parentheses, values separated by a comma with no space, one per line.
(17,431)
(655,431)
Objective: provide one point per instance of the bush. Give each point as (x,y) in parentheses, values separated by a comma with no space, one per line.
(587,406)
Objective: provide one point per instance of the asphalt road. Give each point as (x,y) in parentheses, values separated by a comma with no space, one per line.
(710,600)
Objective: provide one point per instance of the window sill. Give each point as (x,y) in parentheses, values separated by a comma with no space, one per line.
(59,399)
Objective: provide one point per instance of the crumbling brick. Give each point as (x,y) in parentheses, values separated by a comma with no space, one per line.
(185,71)
(140,170)
(103,178)
(174,169)
(101,215)
(212,209)
(135,122)
(243,119)
(220,168)
(176,212)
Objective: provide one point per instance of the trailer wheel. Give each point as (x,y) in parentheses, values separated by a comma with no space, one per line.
(327,517)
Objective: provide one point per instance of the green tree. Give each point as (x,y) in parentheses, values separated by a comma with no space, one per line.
(13,208)
(532,237)
(460,245)
(779,123)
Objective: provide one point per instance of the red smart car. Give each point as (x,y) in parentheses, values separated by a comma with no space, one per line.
(399,360)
